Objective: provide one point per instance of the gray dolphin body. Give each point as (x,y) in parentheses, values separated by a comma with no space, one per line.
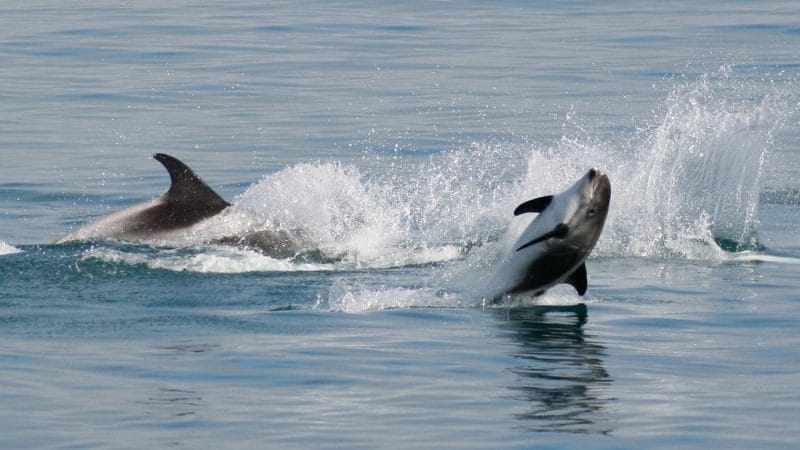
(187,202)
(554,247)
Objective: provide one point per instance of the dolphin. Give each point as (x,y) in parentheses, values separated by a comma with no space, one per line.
(554,247)
(188,201)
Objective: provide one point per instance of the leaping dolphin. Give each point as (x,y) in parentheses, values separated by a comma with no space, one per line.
(554,247)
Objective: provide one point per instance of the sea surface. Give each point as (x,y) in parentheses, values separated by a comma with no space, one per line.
(398,137)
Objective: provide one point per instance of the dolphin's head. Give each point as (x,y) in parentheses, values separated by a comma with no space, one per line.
(590,198)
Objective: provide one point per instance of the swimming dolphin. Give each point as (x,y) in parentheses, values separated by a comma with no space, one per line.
(555,245)
(188,201)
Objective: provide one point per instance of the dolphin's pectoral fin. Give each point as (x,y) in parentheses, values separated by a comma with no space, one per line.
(187,188)
(559,231)
(578,279)
(536,205)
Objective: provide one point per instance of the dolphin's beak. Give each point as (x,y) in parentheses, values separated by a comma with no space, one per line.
(601,185)
(596,176)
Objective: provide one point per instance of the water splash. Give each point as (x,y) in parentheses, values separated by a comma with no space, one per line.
(686,186)
(388,213)
(695,186)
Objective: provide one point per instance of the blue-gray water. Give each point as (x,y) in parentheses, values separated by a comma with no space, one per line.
(399,137)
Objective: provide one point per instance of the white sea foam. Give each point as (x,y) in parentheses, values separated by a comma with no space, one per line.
(6,249)
(211,260)
(356,297)
(750,256)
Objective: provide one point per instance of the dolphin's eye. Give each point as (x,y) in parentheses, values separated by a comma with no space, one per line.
(592,211)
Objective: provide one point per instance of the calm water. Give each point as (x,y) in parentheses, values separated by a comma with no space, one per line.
(400,137)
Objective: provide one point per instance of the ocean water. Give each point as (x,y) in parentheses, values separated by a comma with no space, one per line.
(398,138)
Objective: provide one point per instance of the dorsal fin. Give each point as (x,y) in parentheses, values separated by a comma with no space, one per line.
(187,188)
(578,279)
(536,205)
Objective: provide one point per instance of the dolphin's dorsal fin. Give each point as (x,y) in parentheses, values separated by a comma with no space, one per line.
(186,187)
(578,279)
(536,205)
